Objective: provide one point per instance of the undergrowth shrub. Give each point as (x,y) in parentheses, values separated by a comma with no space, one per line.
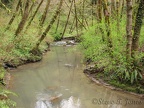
(116,67)
(4,101)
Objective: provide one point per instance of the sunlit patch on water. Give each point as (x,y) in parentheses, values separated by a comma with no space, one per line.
(70,103)
(43,104)
(45,101)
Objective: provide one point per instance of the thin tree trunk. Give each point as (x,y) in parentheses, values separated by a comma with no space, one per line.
(30,10)
(76,17)
(117,11)
(122,9)
(86,22)
(135,9)
(129,29)
(100,18)
(45,13)
(113,7)
(14,15)
(58,22)
(21,9)
(137,28)
(71,28)
(35,49)
(24,19)
(83,8)
(29,23)
(67,19)
(99,10)
(92,14)
(108,29)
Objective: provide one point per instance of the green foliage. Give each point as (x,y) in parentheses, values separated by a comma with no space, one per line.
(126,74)
(5,102)
(57,36)
(14,48)
(2,73)
(116,67)
(94,47)
(5,93)
(130,88)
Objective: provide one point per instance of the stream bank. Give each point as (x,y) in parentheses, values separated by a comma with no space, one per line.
(17,61)
(97,76)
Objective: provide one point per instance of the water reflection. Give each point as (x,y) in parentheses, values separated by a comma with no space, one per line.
(47,101)
(43,104)
(70,103)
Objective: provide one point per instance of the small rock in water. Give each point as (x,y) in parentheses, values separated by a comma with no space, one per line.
(71,42)
(60,43)
(68,65)
(66,89)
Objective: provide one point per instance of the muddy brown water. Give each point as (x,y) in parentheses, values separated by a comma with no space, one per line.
(60,74)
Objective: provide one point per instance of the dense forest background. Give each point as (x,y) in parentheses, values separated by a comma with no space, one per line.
(110,33)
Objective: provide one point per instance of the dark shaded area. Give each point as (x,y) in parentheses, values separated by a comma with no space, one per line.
(94,2)
(6,1)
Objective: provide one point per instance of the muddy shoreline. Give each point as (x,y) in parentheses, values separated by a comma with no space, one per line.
(14,63)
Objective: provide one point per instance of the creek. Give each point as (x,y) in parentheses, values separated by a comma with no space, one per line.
(58,81)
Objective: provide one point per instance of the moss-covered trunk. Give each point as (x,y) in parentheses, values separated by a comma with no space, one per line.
(137,28)
(24,19)
(45,13)
(35,49)
(129,29)
(30,21)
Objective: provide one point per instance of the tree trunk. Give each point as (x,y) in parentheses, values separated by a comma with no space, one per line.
(92,11)
(30,10)
(67,19)
(45,13)
(129,29)
(100,18)
(117,13)
(137,28)
(76,17)
(29,23)
(99,10)
(21,9)
(122,9)
(14,15)
(72,28)
(58,23)
(78,20)
(35,49)
(83,10)
(107,23)
(24,19)
(113,7)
